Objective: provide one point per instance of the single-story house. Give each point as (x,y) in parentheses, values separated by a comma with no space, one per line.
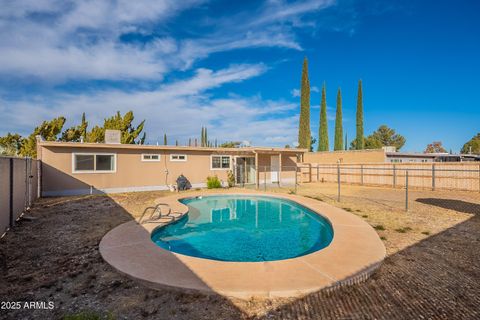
(72,168)
(408,157)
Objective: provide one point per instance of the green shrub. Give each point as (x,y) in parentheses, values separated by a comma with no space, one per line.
(403,230)
(213,183)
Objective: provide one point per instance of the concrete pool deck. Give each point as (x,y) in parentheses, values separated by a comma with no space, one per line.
(354,253)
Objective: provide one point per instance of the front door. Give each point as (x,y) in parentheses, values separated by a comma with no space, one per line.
(274,168)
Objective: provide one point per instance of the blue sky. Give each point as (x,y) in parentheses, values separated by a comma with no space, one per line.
(235,67)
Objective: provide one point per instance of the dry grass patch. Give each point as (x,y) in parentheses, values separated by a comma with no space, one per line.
(384,209)
(56,258)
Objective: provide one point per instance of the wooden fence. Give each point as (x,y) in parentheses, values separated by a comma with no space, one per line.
(439,175)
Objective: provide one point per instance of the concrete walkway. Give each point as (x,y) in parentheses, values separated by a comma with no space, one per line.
(354,253)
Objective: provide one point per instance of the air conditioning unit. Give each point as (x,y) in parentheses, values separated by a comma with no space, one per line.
(113,136)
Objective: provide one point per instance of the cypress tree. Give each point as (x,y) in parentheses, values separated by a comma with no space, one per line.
(360,141)
(202,137)
(83,127)
(304,135)
(176,143)
(207,143)
(189,142)
(338,123)
(346,141)
(323,129)
(165,139)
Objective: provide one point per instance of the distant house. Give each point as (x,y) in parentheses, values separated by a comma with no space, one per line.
(408,157)
(383,155)
(71,168)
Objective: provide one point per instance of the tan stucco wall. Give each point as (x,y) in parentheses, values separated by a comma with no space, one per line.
(133,173)
(349,156)
(130,170)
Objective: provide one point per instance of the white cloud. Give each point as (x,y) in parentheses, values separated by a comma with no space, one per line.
(272,25)
(276,11)
(80,40)
(54,41)
(178,109)
(102,61)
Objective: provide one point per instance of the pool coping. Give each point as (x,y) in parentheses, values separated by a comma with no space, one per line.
(354,253)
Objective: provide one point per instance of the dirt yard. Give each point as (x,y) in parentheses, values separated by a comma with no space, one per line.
(432,269)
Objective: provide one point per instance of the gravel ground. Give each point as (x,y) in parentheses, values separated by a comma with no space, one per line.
(432,269)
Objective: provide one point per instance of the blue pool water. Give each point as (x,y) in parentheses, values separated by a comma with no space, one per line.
(245,228)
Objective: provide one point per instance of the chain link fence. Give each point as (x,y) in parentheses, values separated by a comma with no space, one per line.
(19,187)
(267,177)
(436,176)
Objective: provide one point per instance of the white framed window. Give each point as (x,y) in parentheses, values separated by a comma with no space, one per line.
(220,162)
(178,157)
(149,157)
(94,162)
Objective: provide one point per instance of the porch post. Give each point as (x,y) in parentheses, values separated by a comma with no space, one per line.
(279,169)
(257,174)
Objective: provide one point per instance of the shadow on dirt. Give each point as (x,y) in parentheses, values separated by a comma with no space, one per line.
(435,278)
(452,204)
(56,258)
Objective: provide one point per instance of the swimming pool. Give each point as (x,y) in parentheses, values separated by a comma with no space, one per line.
(245,228)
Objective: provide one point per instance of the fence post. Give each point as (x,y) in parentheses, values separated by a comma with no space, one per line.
(433,177)
(338,179)
(394,176)
(30,176)
(39,178)
(25,200)
(406,190)
(10,198)
(361,174)
(296,179)
(243,169)
(265,178)
(318,173)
